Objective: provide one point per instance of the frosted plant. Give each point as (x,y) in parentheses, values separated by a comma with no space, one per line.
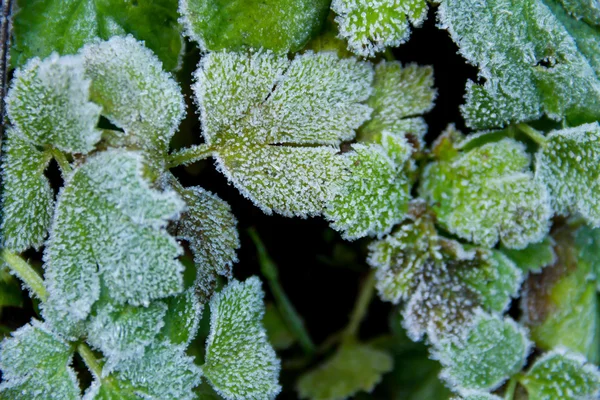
(534,257)
(371,26)
(588,10)
(476,395)
(486,194)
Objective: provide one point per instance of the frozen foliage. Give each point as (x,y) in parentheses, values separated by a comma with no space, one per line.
(563,375)
(588,10)
(354,368)
(374,195)
(64,26)
(400,95)
(569,165)
(35,366)
(476,395)
(442,282)
(533,257)
(27,199)
(486,194)
(240,363)
(210,228)
(135,93)
(369,26)
(490,352)
(48,104)
(108,232)
(263,117)
(236,25)
(182,318)
(532,57)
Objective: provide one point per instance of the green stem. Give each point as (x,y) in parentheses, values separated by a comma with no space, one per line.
(89,359)
(284,305)
(26,273)
(533,134)
(361,306)
(190,155)
(509,394)
(62,161)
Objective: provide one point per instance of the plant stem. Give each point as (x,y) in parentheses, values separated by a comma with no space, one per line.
(361,306)
(62,161)
(533,134)
(190,155)
(284,305)
(509,394)
(89,359)
(26,273)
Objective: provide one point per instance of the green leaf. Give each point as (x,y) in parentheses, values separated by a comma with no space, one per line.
(587,241)
(182,319)
(280,336)
(240,363)
(533,257)
(587,10)
(532,58)
(27,198)
(373,198)
(560,374)
(371,26)
(264,117)
(45,26)
(486,194)
(35,365)
(568,164)
(211,230)
(354,368)
(477,395)
(109,233)
(490,352)
(48,104)
(135,93)
(279,25)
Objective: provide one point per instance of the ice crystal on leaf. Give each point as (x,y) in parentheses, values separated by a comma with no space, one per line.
(588,10)
(135,93)
(563,375)
(27,198)
(354,368)
(371,26)
(64,26)
(278,25)
(240,363)
(182,318)
(491,350)
(264,118)
(569,165)
(36,365)
(108,232)
(486,194)
(530,57)
(49,104)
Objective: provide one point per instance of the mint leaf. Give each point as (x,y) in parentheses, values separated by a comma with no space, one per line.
(279,25)
(64,26)
(182,318)
(240,363)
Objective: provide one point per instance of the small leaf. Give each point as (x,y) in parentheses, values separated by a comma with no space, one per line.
(48,104)
(568,164)
(35,365)
(533,257)
(27,198)
(136,94)
(182,319)
(560,374)
(240,363)
(353,368)
(371,26)
(45,26)
(491,351)
(279,25)
(109,232)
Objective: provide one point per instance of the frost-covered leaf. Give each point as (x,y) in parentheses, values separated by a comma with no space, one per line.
(486,194)
(588,10)
(27,198)
(569,165)
(560,374)
(35,366)
(263,116)
(109,232)
(48,104)
(182,318)
(533,257)
(587,241)
(279,25)
(211,230)
(490,352)
(442,282)
(400,94)
(44,26)
(374,195)
(534,59)
(354,368)
(476,395)
(135,93)
(370,26)
(240,363)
